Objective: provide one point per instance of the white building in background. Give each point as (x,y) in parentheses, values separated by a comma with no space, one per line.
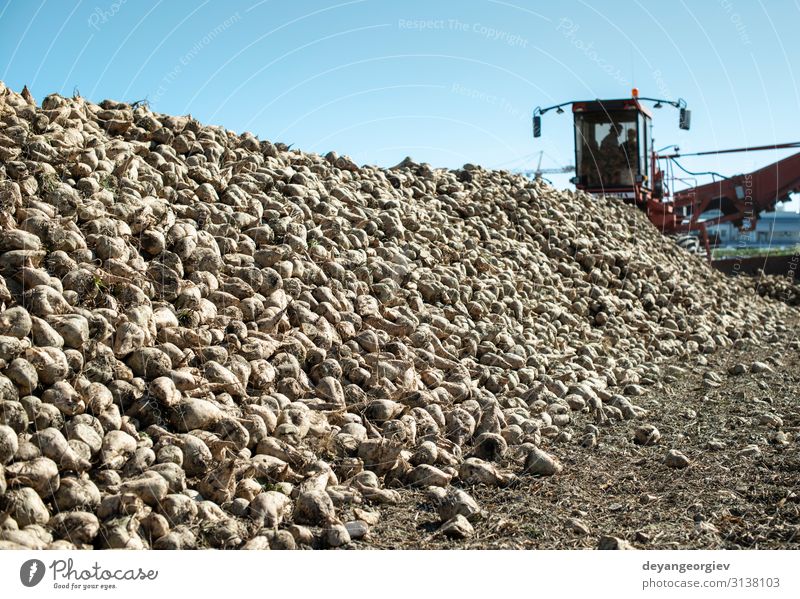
(773,229)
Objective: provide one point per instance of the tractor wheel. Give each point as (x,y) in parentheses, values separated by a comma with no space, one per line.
(689,242)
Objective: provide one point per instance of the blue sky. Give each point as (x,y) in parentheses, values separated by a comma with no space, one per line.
(445,82)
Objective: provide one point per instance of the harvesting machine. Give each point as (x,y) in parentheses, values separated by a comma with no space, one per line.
(614,157)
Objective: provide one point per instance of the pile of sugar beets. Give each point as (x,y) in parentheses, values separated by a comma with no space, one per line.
(208,340)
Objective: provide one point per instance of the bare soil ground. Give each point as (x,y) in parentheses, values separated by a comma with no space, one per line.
(723,500)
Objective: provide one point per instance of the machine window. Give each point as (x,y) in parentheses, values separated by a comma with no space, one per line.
(608,148)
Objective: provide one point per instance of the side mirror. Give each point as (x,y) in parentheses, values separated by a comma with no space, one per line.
(537,126)
(685,119)
(658,189)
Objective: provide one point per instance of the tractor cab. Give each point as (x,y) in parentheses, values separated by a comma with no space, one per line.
(613,146)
